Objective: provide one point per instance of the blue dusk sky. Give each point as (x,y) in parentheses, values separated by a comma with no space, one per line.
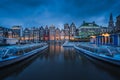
(29,13)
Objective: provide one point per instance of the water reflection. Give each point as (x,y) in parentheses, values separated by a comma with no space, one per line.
(17,68)
(57,53)
(61,63)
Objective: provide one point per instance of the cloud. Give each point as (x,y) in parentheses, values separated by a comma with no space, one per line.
(43,12)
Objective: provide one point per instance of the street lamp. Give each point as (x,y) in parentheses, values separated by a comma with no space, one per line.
(106,35)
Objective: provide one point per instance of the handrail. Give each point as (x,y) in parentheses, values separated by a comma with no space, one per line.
(5,53)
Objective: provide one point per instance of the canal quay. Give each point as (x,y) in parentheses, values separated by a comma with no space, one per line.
(60,63)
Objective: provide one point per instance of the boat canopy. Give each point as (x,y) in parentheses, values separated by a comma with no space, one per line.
(106,50)
(6,52)
(18,50)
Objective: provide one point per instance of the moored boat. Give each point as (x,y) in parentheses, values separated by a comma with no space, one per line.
(104,53)
(13,54)
(68,44)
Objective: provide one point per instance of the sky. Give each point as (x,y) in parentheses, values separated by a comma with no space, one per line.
(29,13)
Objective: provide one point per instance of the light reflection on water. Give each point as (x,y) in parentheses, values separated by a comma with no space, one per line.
(58,63)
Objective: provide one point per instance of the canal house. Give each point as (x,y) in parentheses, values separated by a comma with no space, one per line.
(46,33)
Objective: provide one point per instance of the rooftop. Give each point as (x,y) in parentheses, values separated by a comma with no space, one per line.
(87,24)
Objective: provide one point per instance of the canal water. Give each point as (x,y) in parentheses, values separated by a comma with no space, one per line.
(60,63)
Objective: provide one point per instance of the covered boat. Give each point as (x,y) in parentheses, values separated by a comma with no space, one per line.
(68,44)
(13,54)
(104,53)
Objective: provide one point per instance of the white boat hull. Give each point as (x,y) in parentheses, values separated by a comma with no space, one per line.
(21,57)
(99,57)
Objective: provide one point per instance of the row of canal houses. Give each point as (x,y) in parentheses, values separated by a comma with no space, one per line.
(51,33)
(37,34)
(109,38)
